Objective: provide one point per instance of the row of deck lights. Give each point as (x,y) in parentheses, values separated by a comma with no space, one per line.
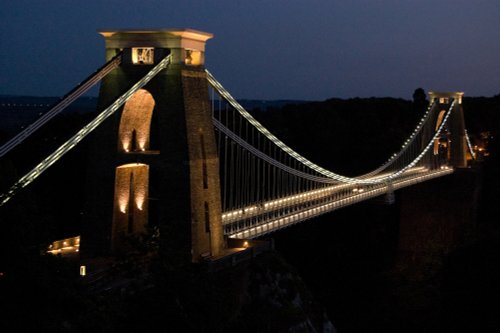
(308,195)
(255,231)
(279,202)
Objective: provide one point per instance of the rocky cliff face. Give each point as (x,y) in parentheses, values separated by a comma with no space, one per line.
(264,294)
(141,294)
(275,299)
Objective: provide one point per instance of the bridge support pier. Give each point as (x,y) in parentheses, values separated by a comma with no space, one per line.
(438,216)
(166,131)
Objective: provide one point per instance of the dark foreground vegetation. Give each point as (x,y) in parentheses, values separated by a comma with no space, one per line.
(349,260)
(141,294)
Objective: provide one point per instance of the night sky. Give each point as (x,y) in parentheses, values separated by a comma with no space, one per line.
(269,49)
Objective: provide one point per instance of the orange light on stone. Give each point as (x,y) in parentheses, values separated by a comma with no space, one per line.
(135,123)
(131,193)
(139,200)
(122,203)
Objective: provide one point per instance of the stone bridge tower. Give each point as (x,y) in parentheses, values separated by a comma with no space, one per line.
(154,162)
(458,141)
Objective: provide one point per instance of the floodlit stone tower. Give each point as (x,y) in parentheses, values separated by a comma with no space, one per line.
(458,141)
(154,162)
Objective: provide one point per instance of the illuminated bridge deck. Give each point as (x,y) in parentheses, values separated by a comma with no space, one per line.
(258,220)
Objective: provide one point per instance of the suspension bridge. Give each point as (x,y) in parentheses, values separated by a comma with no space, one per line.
(173,147)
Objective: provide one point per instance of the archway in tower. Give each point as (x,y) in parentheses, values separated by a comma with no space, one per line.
(135,123)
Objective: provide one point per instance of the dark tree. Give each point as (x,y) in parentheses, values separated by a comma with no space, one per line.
(419,97)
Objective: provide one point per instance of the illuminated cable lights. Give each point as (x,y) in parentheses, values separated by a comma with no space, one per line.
(471,150)
(328,174)
(68,145)
(406,144)
(63,103)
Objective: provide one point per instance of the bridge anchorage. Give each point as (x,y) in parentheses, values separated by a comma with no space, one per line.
(173,149)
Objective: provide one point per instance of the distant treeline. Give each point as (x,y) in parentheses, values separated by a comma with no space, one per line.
(352,136)
(347,136)
(17,112)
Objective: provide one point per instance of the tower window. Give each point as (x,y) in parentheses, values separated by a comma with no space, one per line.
(193,57)
(142,55)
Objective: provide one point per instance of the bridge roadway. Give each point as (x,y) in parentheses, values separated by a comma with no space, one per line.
(266,217)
